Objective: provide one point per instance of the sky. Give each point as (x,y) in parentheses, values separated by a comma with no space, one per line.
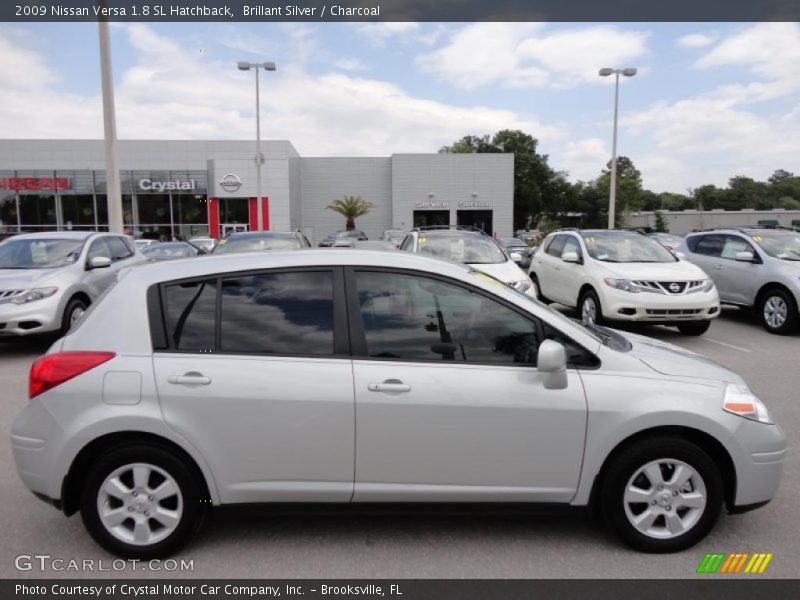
(710,101)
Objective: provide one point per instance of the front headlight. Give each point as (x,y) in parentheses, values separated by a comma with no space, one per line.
(623,284)
(708,285)
(739,400)
(34,294)
(522,285)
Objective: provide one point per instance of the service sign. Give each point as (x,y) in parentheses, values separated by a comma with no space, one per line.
(35,183)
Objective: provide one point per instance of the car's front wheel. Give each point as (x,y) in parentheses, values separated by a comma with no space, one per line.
(73,313)
(662,495)
(537,289)
(141,501)
(589,308)
(778,311)
(694,327)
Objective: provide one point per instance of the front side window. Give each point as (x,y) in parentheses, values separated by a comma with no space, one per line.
(119,249)
(555,247)
(571,245)
(278,313)
(733,245)
(98,248)
(708,245)
(417,318)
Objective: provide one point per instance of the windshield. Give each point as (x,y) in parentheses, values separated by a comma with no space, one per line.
(39,253)
(622,247)
(472,250)
(783,245)
(255,244)
(166,250)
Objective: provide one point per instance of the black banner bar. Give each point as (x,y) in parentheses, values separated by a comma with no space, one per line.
(709,587)
(400,10)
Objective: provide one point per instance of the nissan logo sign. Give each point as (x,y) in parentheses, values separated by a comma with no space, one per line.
(674,288)
(230,183)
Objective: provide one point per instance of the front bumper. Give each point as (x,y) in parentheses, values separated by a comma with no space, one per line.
(34,317)
(758,458)
(648,307)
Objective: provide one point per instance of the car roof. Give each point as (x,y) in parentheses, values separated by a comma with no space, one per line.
(59,235)
(258,234)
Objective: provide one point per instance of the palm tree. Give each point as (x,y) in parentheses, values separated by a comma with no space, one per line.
(351,207)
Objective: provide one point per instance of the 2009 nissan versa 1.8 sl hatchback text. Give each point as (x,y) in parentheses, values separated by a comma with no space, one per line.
(350,376)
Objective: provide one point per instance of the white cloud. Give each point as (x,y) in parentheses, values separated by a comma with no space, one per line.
(174,93)
(348,63)
(527,55)
(583,158)
(696,40)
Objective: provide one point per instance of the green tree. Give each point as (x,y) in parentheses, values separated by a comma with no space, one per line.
(539,191)
(661,222)
(350,207)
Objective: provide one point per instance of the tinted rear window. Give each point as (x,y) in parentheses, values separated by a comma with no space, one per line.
(190,311)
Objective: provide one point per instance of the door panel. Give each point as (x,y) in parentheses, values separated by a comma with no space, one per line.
(466,433)
(271,429)
(449,405)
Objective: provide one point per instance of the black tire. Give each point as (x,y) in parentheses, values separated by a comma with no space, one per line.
(590,294)
(633,458)
(193,500)
(539,296)
(66,319)
(694,327)
(781,295)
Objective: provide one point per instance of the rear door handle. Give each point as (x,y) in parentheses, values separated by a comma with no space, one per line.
(394,386)
(190,378)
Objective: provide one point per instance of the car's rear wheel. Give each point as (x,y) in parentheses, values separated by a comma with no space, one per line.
(662,494)
(694,327)
(73,313)
(142,502)
(589,308)
(778,311)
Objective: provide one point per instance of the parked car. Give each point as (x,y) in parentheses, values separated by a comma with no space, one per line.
(142,243)
(353,234)
(471,247)
(385,246)
(257,241)
(206,243)
(440,385)
(172,251)
(395,236)
(757,268)
(49,280)
(668,240)
(519,251)
(623,275)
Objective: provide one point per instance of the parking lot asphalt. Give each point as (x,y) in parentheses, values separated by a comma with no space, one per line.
(257,543)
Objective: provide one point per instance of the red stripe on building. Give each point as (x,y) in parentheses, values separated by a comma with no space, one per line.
(213,217)
(265,216)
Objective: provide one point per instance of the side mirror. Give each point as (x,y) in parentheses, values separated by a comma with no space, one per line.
(744,256)
(99,262)
(516,257)
(552,364)
(571,257)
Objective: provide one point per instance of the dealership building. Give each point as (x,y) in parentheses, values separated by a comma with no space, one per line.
(193,188)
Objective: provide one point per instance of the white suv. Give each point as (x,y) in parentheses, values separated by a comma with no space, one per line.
(625,276)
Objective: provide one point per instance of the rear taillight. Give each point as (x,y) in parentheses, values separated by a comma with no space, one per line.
(54,369)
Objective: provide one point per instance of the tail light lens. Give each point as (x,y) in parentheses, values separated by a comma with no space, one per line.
(54,369)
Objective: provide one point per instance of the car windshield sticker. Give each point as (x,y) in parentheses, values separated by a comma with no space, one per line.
(39,252)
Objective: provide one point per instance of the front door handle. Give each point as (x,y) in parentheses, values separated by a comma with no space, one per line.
(391,386)
(718,267)
(190,378)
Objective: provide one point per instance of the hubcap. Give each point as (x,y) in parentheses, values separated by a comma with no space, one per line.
(775,311)
(588,311)
(665,498)
(140,504)
(77,314)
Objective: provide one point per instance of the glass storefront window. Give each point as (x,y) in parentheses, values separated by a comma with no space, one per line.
(77,209)
(102,209)
(189,209)
(37,209)
(154,209)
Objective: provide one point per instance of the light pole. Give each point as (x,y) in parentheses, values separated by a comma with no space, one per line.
(113,188)
(612,196)
(267,66)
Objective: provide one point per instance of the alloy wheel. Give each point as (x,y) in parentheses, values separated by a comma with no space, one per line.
(588,311)
(775,312)
(665,498)
(76,315)
(140,504)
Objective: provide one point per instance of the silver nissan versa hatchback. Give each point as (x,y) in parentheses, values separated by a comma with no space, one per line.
(354,377)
